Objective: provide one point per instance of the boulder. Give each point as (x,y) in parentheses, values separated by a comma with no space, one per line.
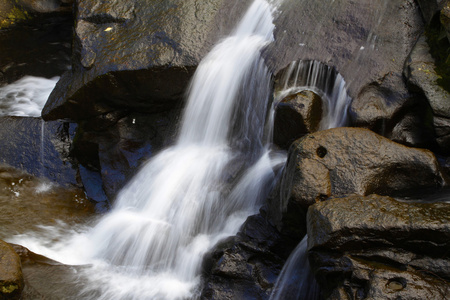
(245,266)
(110,148)
(11,277)
(376,247)
(137,54)
(344,161)
(422,77)
(39,148)
(35,38)
(295,116)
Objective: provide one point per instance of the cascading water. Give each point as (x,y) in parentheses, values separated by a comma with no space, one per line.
(26,97)
(323,80)
(200,190)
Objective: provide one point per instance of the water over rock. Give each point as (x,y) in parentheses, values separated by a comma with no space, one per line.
(380,248)
(11,277)
(137,54)
(344,161)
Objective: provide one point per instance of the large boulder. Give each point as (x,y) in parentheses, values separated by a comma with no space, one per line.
(344,161)
(39,148)
(367,42)
(11,277)
(376,247)
(35,38)
(137,54)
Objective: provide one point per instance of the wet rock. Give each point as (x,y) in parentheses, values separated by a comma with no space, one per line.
(376,247)
(295,116)
(35,39)
(137,54)
(344,161)
(11,277)
(430,8)
(39,148)
(247,265)
(422,77)
(111,148)
(348,35)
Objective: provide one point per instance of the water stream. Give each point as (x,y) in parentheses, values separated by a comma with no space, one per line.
(195,193)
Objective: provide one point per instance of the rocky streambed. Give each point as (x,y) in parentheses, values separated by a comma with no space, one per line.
(372,197)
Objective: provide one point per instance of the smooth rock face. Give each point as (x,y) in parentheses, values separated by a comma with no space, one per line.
(295,116)
(344,161)
(39,148)
(380,248)
(11,278)
(137,54)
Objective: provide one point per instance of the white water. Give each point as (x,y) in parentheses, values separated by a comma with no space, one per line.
(191,195)
(26,97)
(296,281)
(326,82)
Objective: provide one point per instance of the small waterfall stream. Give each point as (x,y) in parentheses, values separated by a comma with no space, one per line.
(200,190)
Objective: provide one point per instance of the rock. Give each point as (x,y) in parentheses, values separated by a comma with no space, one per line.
(39,148)
(422,77)
(344,161)
(247,265)
(137,54)
(344,34)
(376,247)
(11,278)
(445,19)
(35,39)
(112,147)
(295,116)
(430,8)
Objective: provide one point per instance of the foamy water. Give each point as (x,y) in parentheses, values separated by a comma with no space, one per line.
(26,97)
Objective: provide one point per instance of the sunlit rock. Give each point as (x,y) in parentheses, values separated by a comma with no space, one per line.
(380,248)
(11,277)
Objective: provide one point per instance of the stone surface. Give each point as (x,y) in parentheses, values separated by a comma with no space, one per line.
(344,161)
(376,247)
(247,265)
(39,148)
(35,39)
(430,8)
(295,116)
(110,149)
(137,54)
(11,277)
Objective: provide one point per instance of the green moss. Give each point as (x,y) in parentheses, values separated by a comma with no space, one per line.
(9,289)
(15,15)
(440,50)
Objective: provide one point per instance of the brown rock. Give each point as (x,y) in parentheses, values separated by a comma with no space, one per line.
(11,278)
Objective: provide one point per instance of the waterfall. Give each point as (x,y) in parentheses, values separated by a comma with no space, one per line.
(191,195)
(324,81)
(26,97)
(296,280)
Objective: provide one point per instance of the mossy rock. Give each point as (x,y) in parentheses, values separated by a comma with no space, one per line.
(11,277)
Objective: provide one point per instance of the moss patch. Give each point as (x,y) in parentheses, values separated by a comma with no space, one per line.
(15,15)
(440,50)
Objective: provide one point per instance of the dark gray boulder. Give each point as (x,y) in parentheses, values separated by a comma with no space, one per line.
(40,148)
(137,54)
(376,247)
(344,161)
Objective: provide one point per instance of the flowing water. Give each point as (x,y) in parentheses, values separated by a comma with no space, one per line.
(26,97)
(191,195)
